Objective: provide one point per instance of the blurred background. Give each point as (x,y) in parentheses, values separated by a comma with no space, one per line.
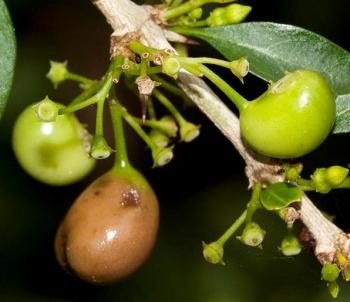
(201,191)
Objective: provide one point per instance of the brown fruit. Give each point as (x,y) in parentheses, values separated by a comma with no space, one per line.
(110,229)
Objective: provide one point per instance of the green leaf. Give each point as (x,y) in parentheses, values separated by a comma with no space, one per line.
(342,124)
(280,195)
(7,55)
(273,48)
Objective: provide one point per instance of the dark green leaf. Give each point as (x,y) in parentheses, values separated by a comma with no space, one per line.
(280,195)
(7,55)
(342,124)
(274,48)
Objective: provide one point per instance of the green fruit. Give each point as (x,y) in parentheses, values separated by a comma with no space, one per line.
(292,118)
(110,229)
(52,152)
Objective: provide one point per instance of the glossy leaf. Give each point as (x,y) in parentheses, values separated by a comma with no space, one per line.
(7,55)
(280,195)
(342,124)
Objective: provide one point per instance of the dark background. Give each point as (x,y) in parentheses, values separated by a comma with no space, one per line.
(200,192)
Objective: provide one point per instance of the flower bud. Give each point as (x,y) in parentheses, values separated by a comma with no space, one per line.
(196,13)
(162,156)
(240,68)
(168,126)
(100,148)
(290,246)
(47,110)
(171,66)
(188,132)
(320,181)
(217,17)
(252,235)
(236,13)
(159,138)
(213,252)
(330,272)
(335,175)
(57,73)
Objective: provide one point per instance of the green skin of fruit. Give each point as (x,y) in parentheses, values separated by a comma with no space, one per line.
(51,152)
(292,118)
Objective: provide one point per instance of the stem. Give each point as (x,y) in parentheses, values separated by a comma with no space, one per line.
(170,87)
(137,128)
(305,184)
(199,23)
(86,94)
(79,78)
(240,102)
(100,95)
(233,228)
(254,203)
(169,106)
(205,60)
(186,7)
(140,49)
(99,118)
(121,158)
(151,110)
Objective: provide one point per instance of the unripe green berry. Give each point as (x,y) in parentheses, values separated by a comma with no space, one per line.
(213,252)
(292,118)
(252,235)
(57,73)
(290,246)
(330,272)
(335,175)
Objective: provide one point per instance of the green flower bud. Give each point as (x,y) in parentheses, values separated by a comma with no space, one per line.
(320,181)
(217,17)
(47,110)
(168,126)
(100,148)
(335,175)
(171,66)
(196,13)
(290,246)
(213,252)
(292,174)
(57,73)
(159,138)
(236,13)
(333,289)
(252,235)
(330,272)
(188,132)
(230,14)
(162,156)
(240,68)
